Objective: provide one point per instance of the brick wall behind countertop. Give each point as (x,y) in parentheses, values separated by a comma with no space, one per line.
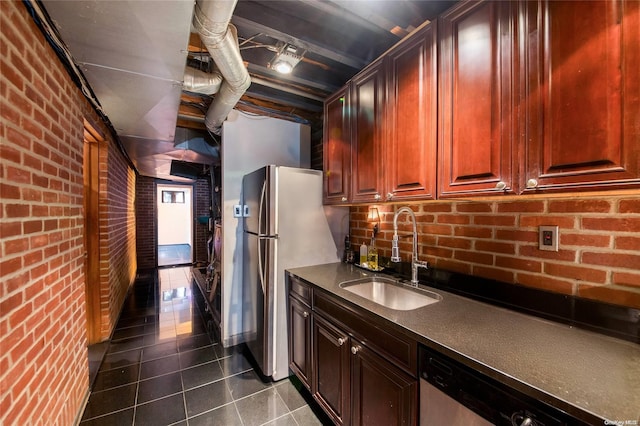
(599,246)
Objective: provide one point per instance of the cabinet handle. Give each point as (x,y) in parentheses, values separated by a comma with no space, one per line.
(377,196)
(389,195)
(305,314)
(343,199)
(501,185)
(341,341)
(354,349)
(532,183)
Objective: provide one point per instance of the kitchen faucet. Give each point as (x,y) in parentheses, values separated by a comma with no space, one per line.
(395,251)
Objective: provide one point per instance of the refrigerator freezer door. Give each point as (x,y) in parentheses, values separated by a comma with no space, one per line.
(258,207)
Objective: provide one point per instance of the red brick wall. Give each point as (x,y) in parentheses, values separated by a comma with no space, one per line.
(117,234)
(43,356)
(598,257)
(146,222)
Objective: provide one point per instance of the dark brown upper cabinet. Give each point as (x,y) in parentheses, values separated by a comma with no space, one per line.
(477,135)
(411,117)
(366,105)
(337,149)
(532,96)
(581,98)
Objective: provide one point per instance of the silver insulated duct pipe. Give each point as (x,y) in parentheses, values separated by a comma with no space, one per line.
(198,81)
(211,19)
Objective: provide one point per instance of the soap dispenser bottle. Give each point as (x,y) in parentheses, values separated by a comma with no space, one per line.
(363,254)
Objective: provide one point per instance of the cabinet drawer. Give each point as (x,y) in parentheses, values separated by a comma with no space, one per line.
(397,348)
(300,289)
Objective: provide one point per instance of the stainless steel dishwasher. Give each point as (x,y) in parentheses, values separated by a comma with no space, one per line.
(454,394)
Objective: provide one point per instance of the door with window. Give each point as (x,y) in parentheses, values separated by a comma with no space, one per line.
(175,224)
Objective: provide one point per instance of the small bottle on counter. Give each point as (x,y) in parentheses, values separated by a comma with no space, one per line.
(363,254)
(372,256)
(347,250)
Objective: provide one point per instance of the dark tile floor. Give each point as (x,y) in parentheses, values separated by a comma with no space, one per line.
(174,254)
(162,368)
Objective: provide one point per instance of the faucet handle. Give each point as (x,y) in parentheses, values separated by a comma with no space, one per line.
(395,251)
(421,264)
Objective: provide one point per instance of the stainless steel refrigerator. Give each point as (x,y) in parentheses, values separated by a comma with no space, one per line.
(285,226)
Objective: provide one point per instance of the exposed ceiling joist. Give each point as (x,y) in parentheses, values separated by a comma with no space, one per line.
(324,51)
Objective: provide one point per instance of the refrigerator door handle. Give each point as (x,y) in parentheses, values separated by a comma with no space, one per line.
(261,270)
(261,207)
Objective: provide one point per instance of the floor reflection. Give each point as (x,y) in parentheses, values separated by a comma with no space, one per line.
(162,368)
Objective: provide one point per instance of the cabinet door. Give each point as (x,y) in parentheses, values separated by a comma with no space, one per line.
(330,384)
(583,91)
(336,149)
(410,145)
(300,340)
(478,132)
(382,393)
(366,102)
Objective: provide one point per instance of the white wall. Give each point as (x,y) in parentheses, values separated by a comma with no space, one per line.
(174,219)
(248,143)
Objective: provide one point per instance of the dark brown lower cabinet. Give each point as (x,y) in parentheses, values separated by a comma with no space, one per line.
(300,340)
(331,361)
(382,394)
(355,383)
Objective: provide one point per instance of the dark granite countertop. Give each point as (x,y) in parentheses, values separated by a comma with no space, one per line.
(581,372)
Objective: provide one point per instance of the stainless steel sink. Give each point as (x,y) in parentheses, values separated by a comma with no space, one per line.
(390,293)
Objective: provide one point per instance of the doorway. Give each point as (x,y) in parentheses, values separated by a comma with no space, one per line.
(175,224)
(91,170)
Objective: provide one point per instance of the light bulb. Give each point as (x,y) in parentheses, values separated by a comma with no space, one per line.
(283,67)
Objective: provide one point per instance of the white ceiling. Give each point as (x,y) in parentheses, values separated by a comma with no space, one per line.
(133,54)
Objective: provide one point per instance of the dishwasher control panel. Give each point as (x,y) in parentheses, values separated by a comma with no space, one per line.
(493,401)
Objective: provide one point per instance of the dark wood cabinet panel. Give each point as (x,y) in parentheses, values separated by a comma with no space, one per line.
(583,97)
(300,289)
(382,394)
(337,149)
(393,346)
(476,77)
(411,114)
(331,361)
(300,341)
(366,105)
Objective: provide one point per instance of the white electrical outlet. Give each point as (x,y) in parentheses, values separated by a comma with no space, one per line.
(548,238)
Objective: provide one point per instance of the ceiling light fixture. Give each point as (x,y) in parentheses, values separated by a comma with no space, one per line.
(286,58)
